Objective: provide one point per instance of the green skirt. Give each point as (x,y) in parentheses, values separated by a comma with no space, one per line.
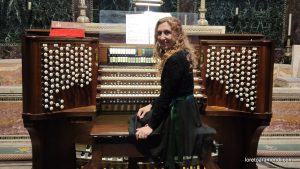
(180,135)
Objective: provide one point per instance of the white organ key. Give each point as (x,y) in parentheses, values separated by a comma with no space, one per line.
(142,70)
(136,95)
(128,70)
(130,78)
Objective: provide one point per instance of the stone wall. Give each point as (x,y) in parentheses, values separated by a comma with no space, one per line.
(268,17)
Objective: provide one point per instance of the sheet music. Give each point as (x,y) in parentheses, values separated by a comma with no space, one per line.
(137,29)
(140,27)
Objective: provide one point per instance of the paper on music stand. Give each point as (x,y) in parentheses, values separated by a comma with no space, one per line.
(140,27)
(153,17)
(136,29)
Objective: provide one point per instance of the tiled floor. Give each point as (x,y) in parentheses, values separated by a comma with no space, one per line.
(279,151)
(27,165)
(15,165)
(289,165)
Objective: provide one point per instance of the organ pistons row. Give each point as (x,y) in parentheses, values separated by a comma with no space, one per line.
(64,66)
(130,56)
(236,69)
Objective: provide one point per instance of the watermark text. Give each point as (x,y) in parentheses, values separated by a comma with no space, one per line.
(268,159)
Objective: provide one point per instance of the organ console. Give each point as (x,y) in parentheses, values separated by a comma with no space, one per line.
(68,81)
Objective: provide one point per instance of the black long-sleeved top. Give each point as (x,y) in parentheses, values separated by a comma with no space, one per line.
(176,81)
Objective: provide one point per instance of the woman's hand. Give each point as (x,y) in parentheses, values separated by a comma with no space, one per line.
(142,111)
(143,132)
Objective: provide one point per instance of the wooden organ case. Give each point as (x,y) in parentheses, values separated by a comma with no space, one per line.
(69,81)
(59,91)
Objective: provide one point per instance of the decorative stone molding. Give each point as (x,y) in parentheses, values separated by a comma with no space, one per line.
(105,28)
(109,28)
(196,30)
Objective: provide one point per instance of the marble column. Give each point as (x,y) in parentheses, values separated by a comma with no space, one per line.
(296,61)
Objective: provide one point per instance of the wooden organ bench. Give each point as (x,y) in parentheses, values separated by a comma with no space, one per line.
(234,82)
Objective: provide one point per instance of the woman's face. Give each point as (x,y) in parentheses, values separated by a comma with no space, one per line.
(165,36)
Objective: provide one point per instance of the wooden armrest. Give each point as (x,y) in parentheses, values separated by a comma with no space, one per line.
(226,112)
(86,113)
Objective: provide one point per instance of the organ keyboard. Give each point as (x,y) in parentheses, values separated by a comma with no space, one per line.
(126,89)
(128,80)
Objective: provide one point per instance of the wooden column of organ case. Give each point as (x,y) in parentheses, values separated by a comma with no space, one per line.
(238,77)
(59,96)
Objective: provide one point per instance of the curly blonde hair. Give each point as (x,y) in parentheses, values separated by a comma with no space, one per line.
(181,43)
